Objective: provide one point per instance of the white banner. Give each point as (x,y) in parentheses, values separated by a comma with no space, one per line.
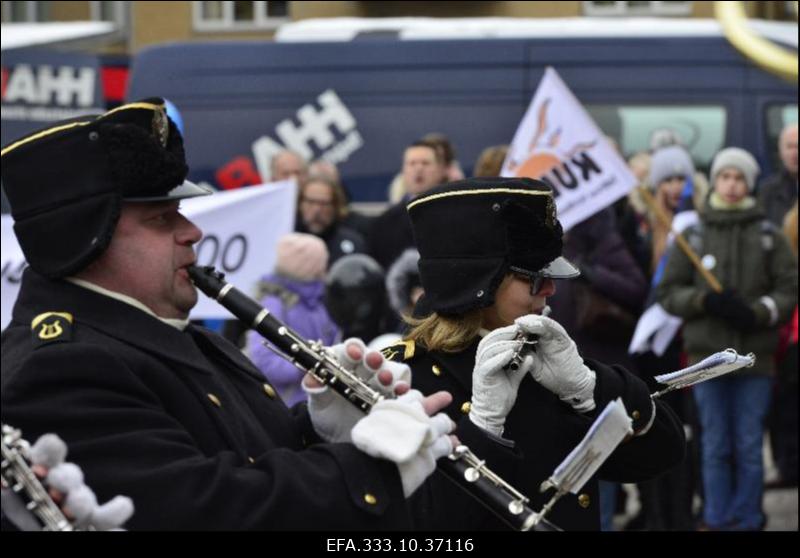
(559,143)
(240,231)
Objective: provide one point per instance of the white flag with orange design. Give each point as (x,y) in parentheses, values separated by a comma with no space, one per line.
(559,143)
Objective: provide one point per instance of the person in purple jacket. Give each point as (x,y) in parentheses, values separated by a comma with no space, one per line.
(293,293)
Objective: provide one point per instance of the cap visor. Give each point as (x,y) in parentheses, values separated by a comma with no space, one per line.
(560,268)
(186,190)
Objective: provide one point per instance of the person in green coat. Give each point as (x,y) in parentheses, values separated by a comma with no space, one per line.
(754,263)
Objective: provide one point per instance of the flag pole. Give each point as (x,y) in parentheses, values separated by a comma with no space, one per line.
(691,254)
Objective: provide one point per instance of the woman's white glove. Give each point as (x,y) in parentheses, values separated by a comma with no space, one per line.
(494,389)
(400,431)
(331,414)
(557,364)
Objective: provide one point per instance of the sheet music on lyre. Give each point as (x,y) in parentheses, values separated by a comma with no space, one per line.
(605,434)
(710,367)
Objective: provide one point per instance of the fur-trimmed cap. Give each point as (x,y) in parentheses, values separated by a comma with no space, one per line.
(66,183)
(471,232)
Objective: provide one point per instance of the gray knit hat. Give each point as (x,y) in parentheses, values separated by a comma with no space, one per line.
(664,137)
(670,161)
(739,159)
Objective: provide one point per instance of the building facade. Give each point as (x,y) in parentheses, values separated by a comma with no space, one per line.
(140,24)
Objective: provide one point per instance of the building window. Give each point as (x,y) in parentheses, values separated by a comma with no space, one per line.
(21,12)
(702,129)
(113,12)
(236,16)
(637,8)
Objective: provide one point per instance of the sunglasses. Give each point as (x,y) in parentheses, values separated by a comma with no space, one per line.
(535,279)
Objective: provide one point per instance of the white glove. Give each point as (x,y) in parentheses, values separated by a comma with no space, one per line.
(494,390)
(80,501)
(400,431)
(557,364)
(331,414)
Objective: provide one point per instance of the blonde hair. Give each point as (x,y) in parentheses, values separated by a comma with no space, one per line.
(490,161)
(445,333)
(790,228)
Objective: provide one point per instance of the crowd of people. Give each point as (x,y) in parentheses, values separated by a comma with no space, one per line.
(627,262)
(439,288)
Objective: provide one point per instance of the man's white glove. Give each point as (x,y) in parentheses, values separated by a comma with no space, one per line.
(557,364)
(400,431)
(80,501)
(494,389)
(331,414)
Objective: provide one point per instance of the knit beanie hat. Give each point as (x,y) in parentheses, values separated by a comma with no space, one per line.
(301,256)
(670,161)
(739,159)
(664,137)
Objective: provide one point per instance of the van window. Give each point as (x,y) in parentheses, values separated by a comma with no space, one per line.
(778,116)
(701,128)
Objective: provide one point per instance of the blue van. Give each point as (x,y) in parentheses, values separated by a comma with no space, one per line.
(359,102)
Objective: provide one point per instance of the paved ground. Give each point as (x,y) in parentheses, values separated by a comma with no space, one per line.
(779,505)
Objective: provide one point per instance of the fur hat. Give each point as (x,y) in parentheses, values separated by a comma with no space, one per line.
(471,233)
(402,277)
(301,256)
(66,183)
(669,161)
(737,158)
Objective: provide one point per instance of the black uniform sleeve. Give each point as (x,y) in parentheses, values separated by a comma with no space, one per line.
(641,457)
(119,432)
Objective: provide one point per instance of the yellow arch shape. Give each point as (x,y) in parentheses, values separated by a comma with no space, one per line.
(764,53)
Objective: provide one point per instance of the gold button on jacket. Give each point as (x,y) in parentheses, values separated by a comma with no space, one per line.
(215,400)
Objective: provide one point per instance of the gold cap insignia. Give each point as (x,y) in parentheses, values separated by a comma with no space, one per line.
(550,218)
(160,125)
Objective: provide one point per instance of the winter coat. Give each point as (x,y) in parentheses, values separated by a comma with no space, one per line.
(747,254)
(299,304)
(777,194)
(609,270)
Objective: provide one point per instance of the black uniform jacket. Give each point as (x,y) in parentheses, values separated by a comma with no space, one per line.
(545,430)
(184,424)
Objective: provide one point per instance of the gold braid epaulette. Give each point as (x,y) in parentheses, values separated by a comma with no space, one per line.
(401,351)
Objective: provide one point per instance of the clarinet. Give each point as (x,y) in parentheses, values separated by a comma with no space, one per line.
(19,478)
(462,466)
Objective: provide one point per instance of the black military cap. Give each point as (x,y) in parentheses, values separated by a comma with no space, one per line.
(471,233)
(66,183)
